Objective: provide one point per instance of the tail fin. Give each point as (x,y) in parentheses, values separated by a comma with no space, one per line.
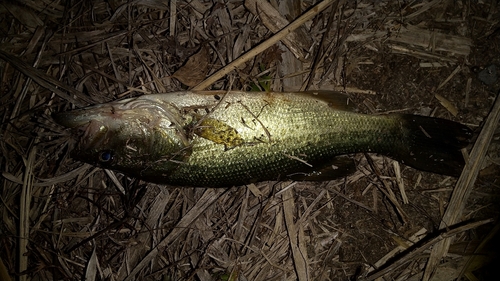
(433,144)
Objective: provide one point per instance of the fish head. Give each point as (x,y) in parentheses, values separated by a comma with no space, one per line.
(133,136)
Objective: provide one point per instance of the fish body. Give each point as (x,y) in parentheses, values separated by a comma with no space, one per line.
(216,138)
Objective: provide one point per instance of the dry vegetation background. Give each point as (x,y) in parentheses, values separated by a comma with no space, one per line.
(65,220)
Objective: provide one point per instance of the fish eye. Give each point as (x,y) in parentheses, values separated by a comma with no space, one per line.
(105,156)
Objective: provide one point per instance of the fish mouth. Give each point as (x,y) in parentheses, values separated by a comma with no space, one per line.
(88,133)
(81,117)
(88,128)
(105,113)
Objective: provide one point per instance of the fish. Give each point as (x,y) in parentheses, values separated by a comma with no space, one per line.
(233,138)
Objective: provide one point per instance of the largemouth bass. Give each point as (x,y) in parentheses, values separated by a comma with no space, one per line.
(216,139)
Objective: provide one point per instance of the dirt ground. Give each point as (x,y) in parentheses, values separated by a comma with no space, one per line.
(62,219)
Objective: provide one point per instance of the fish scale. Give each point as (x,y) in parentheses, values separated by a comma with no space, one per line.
(234,138)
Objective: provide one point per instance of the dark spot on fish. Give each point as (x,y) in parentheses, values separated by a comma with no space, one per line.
(106,156)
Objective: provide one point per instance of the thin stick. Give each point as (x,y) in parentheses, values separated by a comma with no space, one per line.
(264,45)
(173,16)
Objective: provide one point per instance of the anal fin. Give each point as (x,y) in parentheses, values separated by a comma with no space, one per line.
(339,167)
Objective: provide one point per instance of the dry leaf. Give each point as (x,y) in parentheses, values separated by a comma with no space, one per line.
(195,70)
(92,265)
(24,15)
(4,273)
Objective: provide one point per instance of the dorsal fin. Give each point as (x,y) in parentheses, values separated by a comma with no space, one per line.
(335,99)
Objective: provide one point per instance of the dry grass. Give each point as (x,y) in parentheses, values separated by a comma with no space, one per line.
(65,220)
